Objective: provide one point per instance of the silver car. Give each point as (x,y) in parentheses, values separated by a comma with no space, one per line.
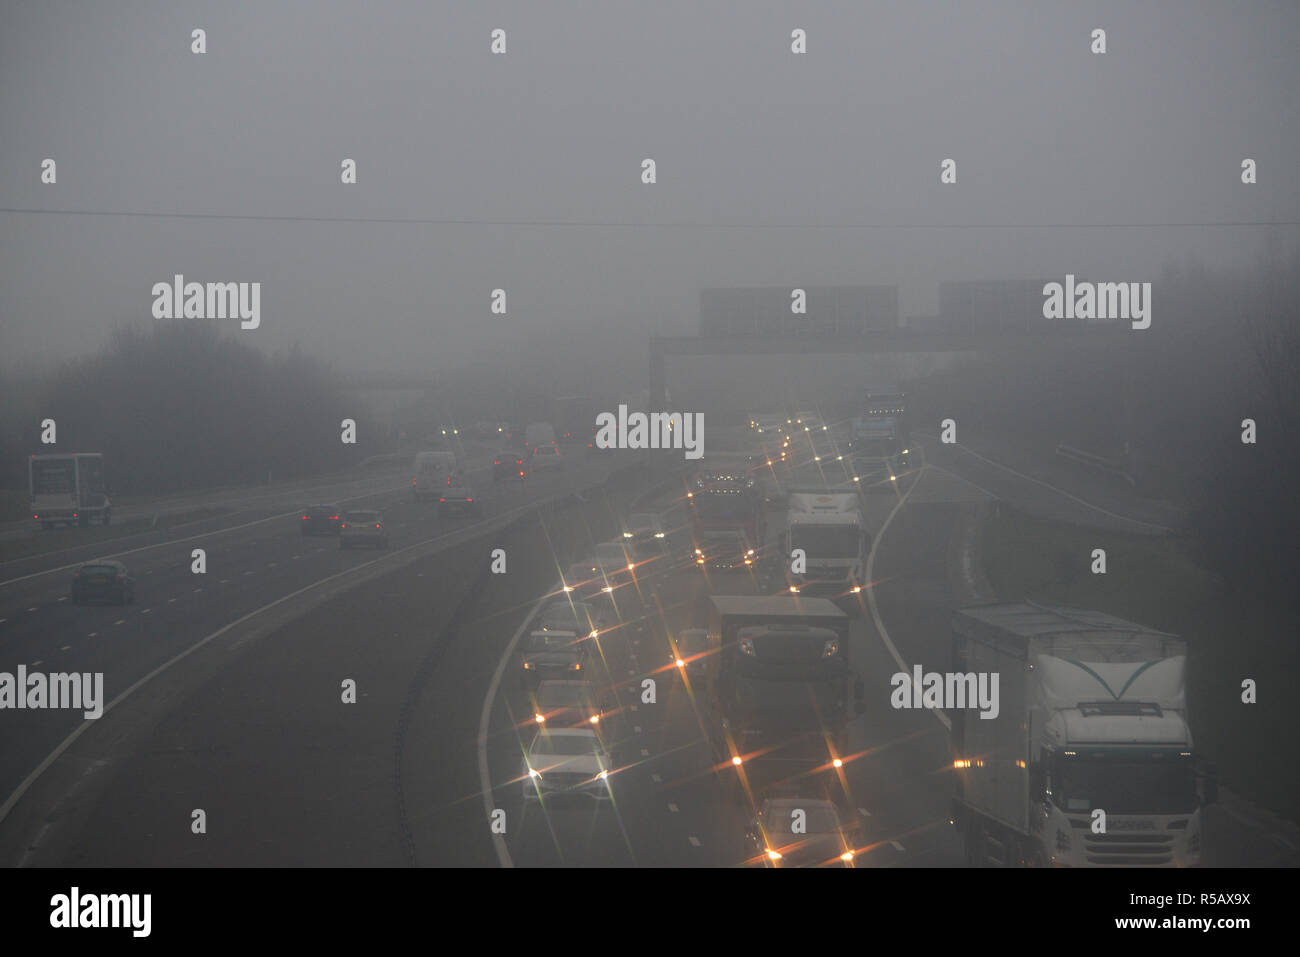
(566,762)
(363,528)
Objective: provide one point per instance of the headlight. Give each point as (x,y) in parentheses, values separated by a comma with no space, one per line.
(857,589)
(577,666)
(534,774)
(736,760)
(595,719)
(773,855)
(830,649)
(794,589)
(746,646)
(680,663)
(528,665)
(540,718)
(659,534)
(603,775)
(846,856)
(595,633)
(627,534)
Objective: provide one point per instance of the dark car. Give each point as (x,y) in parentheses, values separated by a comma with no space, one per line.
(573,704)
(105,581)
(321,520)
(508,465)
(459,501)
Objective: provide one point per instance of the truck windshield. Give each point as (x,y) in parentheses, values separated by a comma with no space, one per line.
(782,705)
(719,506)
(827,541)
(1150,783)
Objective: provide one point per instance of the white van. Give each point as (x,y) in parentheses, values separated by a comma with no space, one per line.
(433,472)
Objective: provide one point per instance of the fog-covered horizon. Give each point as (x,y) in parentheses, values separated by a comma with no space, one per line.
(522,171)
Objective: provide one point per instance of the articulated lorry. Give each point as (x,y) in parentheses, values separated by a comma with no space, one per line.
(1091,730)
(776,673)
(828,527)
(68,488)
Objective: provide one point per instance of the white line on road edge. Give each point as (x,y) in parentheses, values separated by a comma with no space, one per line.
(351,572)
(871,594)
(485,779)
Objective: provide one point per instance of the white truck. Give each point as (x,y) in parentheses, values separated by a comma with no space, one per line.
(1089,761)
(828,528)
(68,488)
(434,472)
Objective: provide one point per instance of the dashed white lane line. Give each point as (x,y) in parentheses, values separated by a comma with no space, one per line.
(896,845)
(656,778)
(120,621)
(64,598)
(3,620)
(247,573)
(31,609)
(673,808)
(92,634)
(170,600)
(146,611)
(864,812)
(197,590)
(272,564)
(39,661)
(297,556)
(645,753)
(695,841)
(65,648)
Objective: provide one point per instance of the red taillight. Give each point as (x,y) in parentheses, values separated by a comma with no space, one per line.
(496,463)
(305,517)
(334,518)
(344,525)
(521,474)
(469,500)
(377,525)
(413,481)
(442,500)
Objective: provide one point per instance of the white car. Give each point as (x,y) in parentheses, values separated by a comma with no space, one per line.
(821,839)
(566,762)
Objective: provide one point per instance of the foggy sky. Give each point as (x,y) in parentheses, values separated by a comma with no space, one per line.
(750,141)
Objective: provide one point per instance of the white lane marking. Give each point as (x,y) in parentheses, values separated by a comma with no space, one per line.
(695,841)
(871,592)
(485,716)
(673,808)
(146,611)
(633,706)
(645,753)
(297,556)
(248,573)
(170,600)
(193,538)
(81,729)
(1059,491)
(120,621)
(271,565)
(197,590)
(864,812)
(31,609)
(92,634)
(655,778)
(39,661)
(64,598)
(65,648)
(897,846)
(3,620)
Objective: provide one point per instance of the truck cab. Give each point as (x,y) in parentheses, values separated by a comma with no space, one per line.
(828,527)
